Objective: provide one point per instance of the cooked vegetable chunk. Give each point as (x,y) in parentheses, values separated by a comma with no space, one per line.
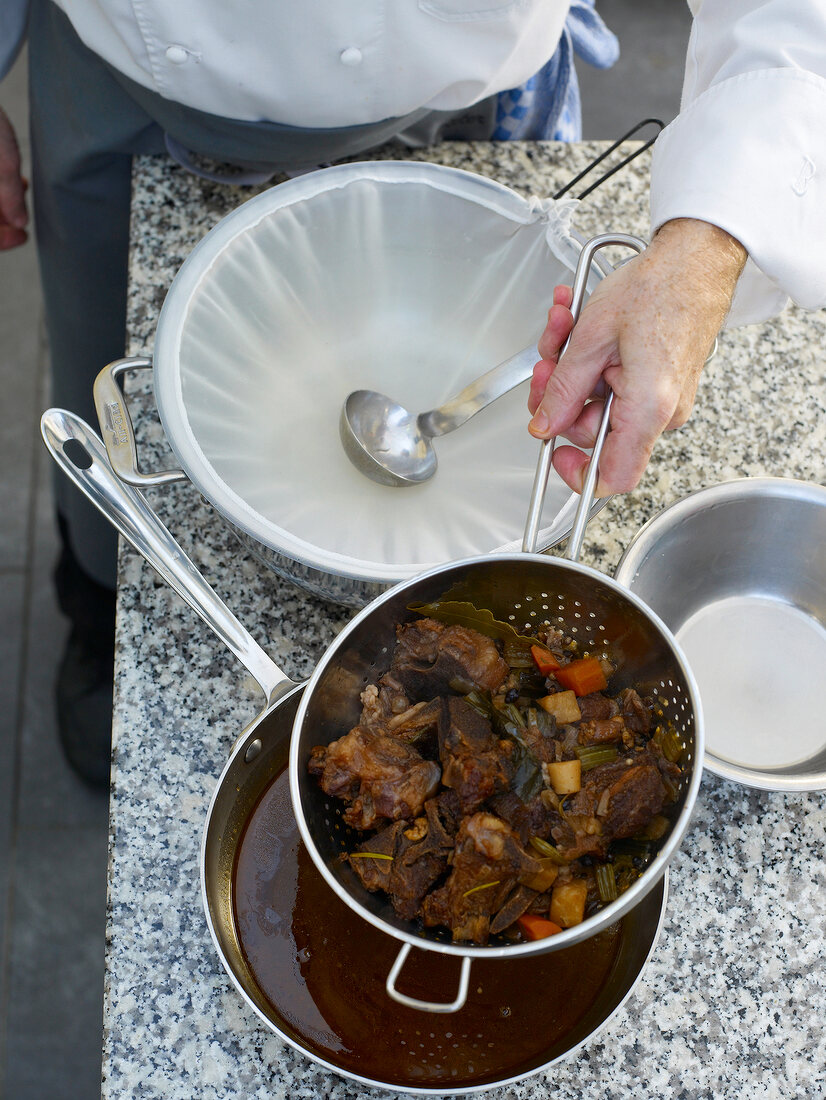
(583,677)
(568,902)
(563,706)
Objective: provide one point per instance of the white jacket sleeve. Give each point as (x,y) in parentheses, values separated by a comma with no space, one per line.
(13,14)
(748,150)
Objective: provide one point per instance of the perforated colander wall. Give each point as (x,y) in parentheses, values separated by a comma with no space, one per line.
(529,593)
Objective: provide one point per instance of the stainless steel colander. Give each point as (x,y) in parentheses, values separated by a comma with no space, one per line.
(529,591)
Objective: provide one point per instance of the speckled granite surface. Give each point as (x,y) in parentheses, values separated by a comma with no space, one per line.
(731,1004)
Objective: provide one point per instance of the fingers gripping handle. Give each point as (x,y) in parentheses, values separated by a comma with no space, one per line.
(546,450)
(81,455)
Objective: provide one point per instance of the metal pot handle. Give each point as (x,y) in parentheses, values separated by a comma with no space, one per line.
(82,456)
(116,426)
(546,450)
(427,1006)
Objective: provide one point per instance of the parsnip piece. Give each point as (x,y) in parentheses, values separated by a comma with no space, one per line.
(565,776)
(568,902)
(563,706)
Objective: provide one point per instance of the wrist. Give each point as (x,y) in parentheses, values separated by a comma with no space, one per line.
(704,247)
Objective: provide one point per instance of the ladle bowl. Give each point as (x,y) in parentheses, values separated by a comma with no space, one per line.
(392,446)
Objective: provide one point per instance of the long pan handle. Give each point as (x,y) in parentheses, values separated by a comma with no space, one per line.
(81,455)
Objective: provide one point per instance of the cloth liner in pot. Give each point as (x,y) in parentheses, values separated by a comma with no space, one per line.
(404,277)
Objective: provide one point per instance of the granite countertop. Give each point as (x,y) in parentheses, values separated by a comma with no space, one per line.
(733,1000)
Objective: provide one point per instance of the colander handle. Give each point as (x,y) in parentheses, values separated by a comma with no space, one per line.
(116,426)
(427,1006)
(546,450)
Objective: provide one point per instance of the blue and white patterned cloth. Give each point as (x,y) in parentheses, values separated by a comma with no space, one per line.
(548,107)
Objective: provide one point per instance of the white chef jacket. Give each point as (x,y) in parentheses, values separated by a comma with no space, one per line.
(747,151)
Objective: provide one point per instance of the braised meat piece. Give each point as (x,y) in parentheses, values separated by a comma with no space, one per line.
(375,873)
(596,706)
(416,858)
(421,859)
(474,761)
(487,862)
(447,807)
(386,709)
(418,724)
(637,715)
(435,908)
(575,842)
(377,776)
(443,817)
(527,819)
(430,657)
(381,704)
(603,731)
(594,782)
(629,804)
(623,795)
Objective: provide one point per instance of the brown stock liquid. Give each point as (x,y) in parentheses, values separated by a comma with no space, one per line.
(323,970)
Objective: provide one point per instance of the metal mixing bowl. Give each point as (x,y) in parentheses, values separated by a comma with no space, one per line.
(738,572)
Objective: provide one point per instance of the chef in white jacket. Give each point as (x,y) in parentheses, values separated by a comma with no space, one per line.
(738,211)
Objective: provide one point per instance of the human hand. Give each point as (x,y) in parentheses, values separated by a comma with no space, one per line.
(13,215)
(646,331)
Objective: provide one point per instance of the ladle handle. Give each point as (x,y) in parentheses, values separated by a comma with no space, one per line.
(81,455)
(427,1006)
(492,385)
(546,450)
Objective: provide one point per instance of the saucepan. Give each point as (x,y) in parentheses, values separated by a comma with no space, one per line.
(510,996)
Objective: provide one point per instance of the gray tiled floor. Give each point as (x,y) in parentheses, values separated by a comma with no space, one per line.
(53,829)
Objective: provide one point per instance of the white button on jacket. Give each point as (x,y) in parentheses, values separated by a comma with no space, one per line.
(176,54)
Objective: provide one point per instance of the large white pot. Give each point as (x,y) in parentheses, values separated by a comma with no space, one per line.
(403,277)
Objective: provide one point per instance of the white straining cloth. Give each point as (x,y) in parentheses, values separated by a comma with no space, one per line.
(407,278)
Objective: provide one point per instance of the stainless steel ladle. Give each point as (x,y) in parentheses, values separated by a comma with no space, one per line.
(392,446)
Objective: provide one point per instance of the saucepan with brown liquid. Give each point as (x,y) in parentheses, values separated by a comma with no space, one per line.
(315,972)
(311,966)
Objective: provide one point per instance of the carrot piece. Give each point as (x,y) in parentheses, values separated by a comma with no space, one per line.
(537,928)
(544,660)
(582,677)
